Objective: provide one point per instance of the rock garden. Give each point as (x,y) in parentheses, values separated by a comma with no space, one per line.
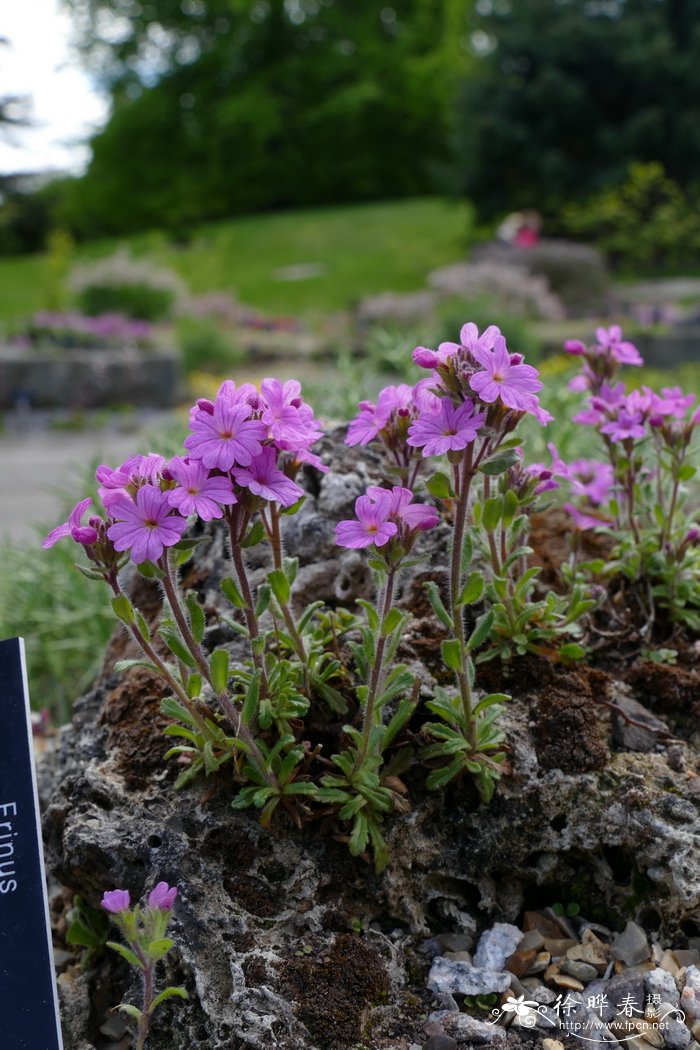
(396,738)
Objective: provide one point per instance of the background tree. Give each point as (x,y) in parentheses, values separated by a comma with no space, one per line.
(231,106)
(565,94)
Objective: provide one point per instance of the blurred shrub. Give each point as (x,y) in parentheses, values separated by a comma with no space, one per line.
(518,294)
(51,330)
(121,284)
(575,273)
(60,247)
(648,220)
(205,348)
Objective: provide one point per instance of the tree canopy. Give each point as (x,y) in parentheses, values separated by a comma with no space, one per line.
(224,106)
(565,94)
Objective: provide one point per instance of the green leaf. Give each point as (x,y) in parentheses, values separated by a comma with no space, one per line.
(264,595)
(78,933)
(124,665)
(250,705)
(440,486)
(472,590)
(437,604)
(370,612)
(219,670)
(452,654)
(256,533)
(197,621)
(280,585)
(500,461)
(290,511)
(90,573)
(481,630)
(157,949)
(391,621)
(168,993)
(194,685)
(176,645)
(467,551)
(489,701)
(686,472)
(510,506)
(231,591)
(123,609)
(491,515)
(126,953)
(572,651)
(150,570)
(132,1011)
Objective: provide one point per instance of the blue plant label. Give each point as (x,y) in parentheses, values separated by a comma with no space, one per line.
(28,1002)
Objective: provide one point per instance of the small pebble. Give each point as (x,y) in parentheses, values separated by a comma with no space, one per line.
(668,962)
(540,963)
(565,981)
(687,957)
(531,939)
(562,922)
(559,946)
(552,1044)
(519,962)
(661,982)
(580,970)
(458,956)
(533,920)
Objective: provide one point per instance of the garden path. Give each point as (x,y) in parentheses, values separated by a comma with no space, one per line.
(41,466)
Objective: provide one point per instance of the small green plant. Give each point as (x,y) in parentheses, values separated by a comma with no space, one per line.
(88,928)
(143,930)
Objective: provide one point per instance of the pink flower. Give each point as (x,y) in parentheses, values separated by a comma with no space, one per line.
(434,358)
(145,526)
(116,901)
(199,492)
(135,471)
(371,527)
(281,413)
(627,425)
(416,517)
(264,479)
(610,341)
(84,534)
(373,418)
(366,426)
(513,383)
(162,897)
(584,520)
(591,480)
(226,437)
(452,428)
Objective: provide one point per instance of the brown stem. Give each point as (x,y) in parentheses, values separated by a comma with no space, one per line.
(462,482)
(274,535)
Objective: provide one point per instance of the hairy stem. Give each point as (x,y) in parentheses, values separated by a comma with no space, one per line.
(272,528)
(147,1002)
(378,674)
(463,474)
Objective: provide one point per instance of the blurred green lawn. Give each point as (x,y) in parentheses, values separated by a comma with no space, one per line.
(359,249)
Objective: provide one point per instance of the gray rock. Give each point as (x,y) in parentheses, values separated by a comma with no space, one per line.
(440,1042)
(676,1034)
(660,982)
(496,945)
(690,996)
(631,946)
(581,970)
(479,1032)
(633,737)
(462,979)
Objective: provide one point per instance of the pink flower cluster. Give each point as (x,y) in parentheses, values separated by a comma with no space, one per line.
(480,366)
(383,515)
(602,360)
(162,898)
(243,446)
(591,482)
(628,417)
